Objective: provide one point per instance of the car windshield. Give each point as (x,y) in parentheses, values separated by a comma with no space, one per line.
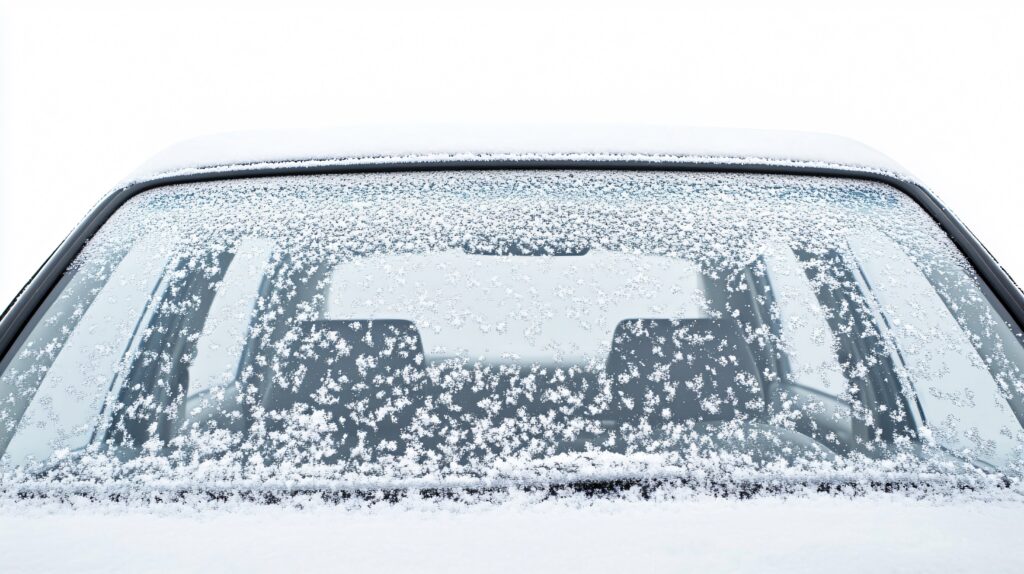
(515,325)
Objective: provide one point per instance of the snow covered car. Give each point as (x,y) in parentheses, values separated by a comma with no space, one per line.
(393,310)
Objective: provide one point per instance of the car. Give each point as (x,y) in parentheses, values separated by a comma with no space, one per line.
(467,313)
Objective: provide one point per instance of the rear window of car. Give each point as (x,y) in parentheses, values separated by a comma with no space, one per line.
(515,325)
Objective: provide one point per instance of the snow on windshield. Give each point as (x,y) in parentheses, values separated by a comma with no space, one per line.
(496,327)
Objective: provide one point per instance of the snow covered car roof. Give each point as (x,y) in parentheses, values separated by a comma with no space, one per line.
(376,145)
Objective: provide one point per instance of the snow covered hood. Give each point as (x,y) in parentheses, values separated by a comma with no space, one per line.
(370,145)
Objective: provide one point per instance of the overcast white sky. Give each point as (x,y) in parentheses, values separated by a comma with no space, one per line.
(89,90)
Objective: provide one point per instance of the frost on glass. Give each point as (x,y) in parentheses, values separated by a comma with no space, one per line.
(470,328)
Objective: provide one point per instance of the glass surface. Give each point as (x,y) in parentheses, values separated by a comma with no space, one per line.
(519,325)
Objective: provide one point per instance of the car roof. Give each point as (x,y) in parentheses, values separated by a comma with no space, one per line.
(449,144)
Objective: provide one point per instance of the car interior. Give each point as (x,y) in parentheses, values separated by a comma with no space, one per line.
(381,394)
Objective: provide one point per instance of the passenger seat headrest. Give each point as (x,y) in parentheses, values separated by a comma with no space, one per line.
(700,369)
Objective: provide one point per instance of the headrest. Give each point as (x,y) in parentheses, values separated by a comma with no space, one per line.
(700,369)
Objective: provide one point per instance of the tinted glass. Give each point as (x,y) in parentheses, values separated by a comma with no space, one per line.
(520,325)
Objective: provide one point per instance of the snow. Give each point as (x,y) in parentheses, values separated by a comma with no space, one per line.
(193,505)
(424,144)
(281,416)
(812,533)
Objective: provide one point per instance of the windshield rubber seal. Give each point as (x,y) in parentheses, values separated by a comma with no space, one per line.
(23,307)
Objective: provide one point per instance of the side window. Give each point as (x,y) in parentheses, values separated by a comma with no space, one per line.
(811,348)
(222,342)
(941,368)
(179,344)
(815,384)
(68,403)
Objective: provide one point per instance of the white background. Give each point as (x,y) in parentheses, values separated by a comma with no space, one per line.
(89,90)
